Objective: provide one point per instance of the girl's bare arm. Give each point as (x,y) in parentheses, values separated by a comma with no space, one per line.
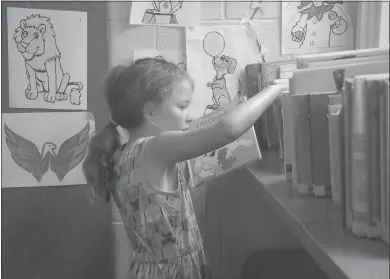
(172,147)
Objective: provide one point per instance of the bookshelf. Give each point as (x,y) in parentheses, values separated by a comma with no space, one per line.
(317,224)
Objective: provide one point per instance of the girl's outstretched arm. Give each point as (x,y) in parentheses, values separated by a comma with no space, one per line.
(172,147)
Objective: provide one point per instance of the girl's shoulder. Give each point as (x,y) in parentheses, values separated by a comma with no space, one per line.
(130,155)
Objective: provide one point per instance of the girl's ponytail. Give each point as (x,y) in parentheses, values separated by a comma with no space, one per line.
(98,166)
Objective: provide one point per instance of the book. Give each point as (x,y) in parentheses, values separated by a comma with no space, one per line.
(319,138)
(336,148)
(278,123)
(259,76)
(319,132)
(346,195)
(270,71)
(303,184)
(322,79)
(385,156)
(287,134)
(338,62)
(303,60)
(278,117)
(365,157)
(227,159)
(254,83)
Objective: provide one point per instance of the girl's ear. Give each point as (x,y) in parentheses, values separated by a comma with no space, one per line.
(182,66)
(148,110)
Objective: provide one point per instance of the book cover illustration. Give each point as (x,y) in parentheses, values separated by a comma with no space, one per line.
(232,156)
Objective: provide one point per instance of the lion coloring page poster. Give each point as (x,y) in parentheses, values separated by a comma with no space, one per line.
(168,13)
(216,60)
(44,149)
(316,27)
(47,52)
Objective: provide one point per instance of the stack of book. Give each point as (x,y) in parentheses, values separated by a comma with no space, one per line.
(332,131)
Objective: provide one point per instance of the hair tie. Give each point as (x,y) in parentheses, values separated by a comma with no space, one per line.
(112,122)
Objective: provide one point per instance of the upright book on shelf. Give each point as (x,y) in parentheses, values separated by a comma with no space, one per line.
(346,196)
(306,81)
(259,76)
(254,83)
(336,147)
(385,155)
(303,181)
(319,131)
(229,158)
(278,113)
(319,136)
(287,134)
(365,156)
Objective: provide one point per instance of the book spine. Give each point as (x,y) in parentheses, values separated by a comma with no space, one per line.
(335,153)
(365,159)
(254,81)
(319,134)
(269,72)
(346,197)
(385,156)
(279,128)
(302,143)
(359,161)
(287,134)
(373,123)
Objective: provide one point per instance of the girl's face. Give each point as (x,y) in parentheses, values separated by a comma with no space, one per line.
(172,114)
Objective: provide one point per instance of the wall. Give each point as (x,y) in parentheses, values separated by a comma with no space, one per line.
(55,232)
(384,26)
(234,220)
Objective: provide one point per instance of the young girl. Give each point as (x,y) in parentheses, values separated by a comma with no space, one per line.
(150,100)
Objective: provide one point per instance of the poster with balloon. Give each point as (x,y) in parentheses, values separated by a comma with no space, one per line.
(216,60)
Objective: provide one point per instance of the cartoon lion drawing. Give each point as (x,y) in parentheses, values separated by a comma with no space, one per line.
(36,41)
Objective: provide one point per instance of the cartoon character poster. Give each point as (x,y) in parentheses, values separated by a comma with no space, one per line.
(47,59)
(236,154)
(169,13)
(316,27)
(216,60)
(44,149)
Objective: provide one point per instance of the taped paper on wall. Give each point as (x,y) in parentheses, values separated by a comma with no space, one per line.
(47,59)
(268,36)
(44,149)
(216,61)
(315,27)
(167,12)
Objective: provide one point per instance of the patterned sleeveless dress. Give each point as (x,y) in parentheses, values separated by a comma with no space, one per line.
(161,226)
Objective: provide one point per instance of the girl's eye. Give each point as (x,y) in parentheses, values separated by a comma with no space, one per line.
(36,35)
(24,33)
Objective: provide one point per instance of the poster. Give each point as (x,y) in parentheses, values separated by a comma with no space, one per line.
(216,60)
(47,59)
(175,56)
(316,27)
(44,149)
(268,36)
(168,13)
